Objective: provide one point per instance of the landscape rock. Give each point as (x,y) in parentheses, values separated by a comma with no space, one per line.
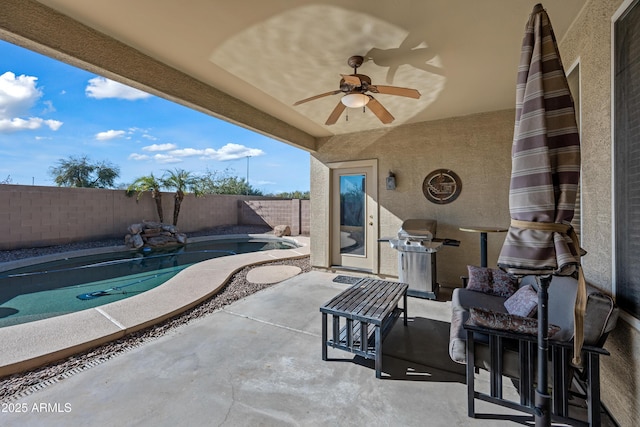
(152,234)
(170,228)
(158,241)
(135,228)
(136,241)
(282,230)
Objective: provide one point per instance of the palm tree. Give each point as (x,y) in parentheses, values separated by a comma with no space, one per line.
(182,182)
(148,183)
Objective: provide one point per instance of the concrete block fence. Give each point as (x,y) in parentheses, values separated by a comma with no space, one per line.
(34,216)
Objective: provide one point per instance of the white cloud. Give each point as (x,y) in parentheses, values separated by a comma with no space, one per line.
(159,147)
(232,152)
(17,96)
(52,124)
(228,152)
(49,108)
(171,154)
(136,156)
(32,123)
(102,88)
(188,152)
(110,134)
(165,158)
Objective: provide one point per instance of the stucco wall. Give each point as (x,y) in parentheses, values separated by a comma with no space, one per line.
(589,42)
(477,148)
(319,186)
(41,216)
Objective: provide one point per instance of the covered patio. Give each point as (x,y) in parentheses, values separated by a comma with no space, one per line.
(249,64)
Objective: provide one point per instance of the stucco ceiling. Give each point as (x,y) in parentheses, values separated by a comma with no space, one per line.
(462,55)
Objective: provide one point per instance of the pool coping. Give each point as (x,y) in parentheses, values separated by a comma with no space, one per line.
(30,345)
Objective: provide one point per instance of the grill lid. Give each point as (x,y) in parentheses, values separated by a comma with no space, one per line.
(418,229)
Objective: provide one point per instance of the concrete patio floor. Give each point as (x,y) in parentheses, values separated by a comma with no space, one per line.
(258,362)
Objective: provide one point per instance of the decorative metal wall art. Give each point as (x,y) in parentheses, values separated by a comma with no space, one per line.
(442,186)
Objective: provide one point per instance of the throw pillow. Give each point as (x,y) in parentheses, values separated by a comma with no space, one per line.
(507,322)
(503,283)
(523,303)
(491,281)
(479,279)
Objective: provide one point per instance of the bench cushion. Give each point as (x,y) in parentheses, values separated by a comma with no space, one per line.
(461,301)
(601,313)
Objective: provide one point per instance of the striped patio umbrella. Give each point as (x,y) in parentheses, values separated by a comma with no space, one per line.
(544,179)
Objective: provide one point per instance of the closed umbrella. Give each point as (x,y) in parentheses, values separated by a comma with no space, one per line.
(544,181)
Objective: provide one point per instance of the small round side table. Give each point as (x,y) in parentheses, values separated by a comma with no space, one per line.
(483,239)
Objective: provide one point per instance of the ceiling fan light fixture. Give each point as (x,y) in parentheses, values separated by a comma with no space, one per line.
(355,100)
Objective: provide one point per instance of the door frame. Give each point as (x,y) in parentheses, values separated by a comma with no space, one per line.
(372,193)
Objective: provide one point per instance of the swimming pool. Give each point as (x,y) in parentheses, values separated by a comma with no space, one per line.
(72,284)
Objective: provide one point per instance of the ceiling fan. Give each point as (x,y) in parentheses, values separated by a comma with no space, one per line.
(355,87)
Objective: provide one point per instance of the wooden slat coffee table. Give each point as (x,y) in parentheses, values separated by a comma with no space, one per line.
(368,310)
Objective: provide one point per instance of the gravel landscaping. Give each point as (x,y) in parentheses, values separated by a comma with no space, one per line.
(18,385)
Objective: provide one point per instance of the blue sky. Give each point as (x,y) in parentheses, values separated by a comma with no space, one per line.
(50,111)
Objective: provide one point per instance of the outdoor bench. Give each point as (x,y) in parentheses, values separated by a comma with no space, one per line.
(368,310)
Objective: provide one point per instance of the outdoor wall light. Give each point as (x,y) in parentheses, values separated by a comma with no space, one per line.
(355,100)
(391,181)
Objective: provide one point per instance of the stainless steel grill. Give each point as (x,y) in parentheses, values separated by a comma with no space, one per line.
(417,256)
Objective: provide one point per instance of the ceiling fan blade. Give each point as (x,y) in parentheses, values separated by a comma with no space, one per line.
(351,79)
(322,95)
(335,114)
(395,90)
(382,113)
